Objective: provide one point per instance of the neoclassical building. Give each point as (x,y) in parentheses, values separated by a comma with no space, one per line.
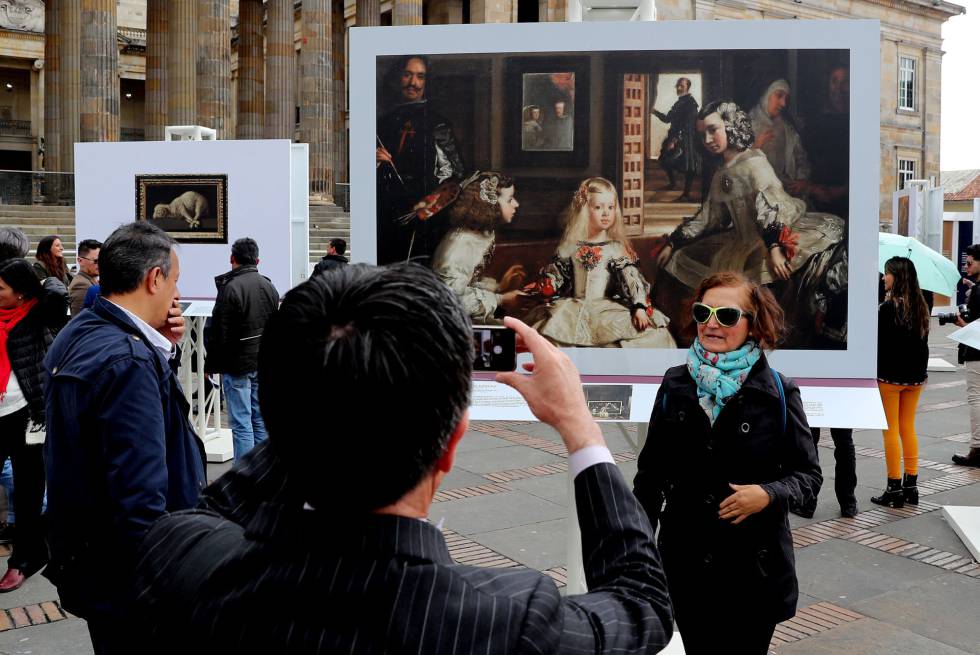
(104,70)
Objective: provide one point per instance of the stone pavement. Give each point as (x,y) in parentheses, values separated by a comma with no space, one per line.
(889,581)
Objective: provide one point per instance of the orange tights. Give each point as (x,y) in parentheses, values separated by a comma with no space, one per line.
(899,403)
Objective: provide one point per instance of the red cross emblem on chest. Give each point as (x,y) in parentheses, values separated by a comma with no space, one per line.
(408,132)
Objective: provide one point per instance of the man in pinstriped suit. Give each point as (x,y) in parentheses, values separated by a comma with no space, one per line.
(317,541)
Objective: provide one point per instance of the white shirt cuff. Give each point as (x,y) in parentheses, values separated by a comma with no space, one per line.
(589,456)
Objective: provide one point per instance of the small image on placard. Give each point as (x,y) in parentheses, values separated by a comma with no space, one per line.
(609,401)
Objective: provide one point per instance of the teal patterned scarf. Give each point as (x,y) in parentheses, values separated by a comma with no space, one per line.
(719,376)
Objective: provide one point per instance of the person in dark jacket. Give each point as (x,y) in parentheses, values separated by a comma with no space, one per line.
(970,357)
(29,316)
(50,261)
(120,450)
(334,258)
(728,449)
(336,525)
(903,355)
(246,300)
(680,152)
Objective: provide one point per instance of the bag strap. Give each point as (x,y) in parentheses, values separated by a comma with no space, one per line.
(782,394)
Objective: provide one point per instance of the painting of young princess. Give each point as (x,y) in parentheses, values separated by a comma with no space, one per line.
(593,293)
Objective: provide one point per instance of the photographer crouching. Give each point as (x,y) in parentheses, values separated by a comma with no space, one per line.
(971,356)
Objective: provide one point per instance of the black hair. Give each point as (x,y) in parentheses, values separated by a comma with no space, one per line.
(87,246)
(391,350)
(339,245)
(245,251)
(19,276)
(130,252)
(974,251)
(13,243)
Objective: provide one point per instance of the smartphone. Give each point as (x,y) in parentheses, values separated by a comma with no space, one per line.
(495,348)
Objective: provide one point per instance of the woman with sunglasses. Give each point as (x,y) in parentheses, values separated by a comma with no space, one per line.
(727,450)
(903,355)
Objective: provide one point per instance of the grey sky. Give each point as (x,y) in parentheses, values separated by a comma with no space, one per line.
(960,147)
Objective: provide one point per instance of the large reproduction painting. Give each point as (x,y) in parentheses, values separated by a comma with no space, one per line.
(590,192)
(191,208)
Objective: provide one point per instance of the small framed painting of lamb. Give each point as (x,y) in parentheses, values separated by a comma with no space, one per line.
(191,208)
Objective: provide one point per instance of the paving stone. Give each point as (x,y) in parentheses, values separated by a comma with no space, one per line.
(59,638)
(474,440)
(495,512)
(553,488)
(540,545)
(459,477)
(929,530)
(36,589)
(845,573)
(499,459)
(868,637)
(934,609)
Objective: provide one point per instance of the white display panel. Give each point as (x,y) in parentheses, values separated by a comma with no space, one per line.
(859,38)
(261,176)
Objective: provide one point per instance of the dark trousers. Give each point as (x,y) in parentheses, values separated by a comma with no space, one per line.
(845,463)
(114,635)
(30,550)
(738,634)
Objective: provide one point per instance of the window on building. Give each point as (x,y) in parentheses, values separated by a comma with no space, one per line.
(527,11)
(906,172)
(906,83)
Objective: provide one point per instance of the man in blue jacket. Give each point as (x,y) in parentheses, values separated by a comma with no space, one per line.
(120,451)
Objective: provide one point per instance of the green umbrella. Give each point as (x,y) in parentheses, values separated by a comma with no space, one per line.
(935,272)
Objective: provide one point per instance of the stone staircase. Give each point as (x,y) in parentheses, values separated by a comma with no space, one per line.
(38,222)
(327,222)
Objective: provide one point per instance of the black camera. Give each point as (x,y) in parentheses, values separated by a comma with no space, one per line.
(962,311)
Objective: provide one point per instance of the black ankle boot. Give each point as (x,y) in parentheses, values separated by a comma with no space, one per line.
(892,496)
(909,489)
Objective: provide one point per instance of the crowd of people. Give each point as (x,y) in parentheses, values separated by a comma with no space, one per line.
(136,541)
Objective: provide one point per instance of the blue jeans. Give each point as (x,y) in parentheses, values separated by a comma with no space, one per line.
(242,398)
(7,482)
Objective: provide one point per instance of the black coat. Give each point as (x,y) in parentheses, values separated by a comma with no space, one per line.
(28,343)
(711,563)
(329,263)
(245,302)
(682,117)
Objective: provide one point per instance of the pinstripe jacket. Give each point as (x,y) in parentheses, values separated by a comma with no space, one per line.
(254,572)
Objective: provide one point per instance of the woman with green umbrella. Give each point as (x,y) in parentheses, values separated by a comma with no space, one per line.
(903,354)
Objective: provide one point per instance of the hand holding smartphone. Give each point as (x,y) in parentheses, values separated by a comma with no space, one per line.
(495,348)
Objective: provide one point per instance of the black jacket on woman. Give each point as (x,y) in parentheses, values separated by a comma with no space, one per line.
(28,343)
(903,355)
(711,564)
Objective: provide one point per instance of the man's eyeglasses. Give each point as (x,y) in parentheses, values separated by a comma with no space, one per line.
(89,259)
(726,316)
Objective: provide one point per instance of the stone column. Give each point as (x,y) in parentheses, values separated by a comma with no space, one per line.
(69,17)
(339,93)
(406,12)
(675,9)
(214,65)
(251,71)
(930,108)
(491,11)
(316,111)
(100,72)
(155,109)
(446,12)
(280,64)
(368,13)
(52,87)
(182,62)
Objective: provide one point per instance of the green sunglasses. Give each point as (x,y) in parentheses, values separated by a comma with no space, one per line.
(726,316)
